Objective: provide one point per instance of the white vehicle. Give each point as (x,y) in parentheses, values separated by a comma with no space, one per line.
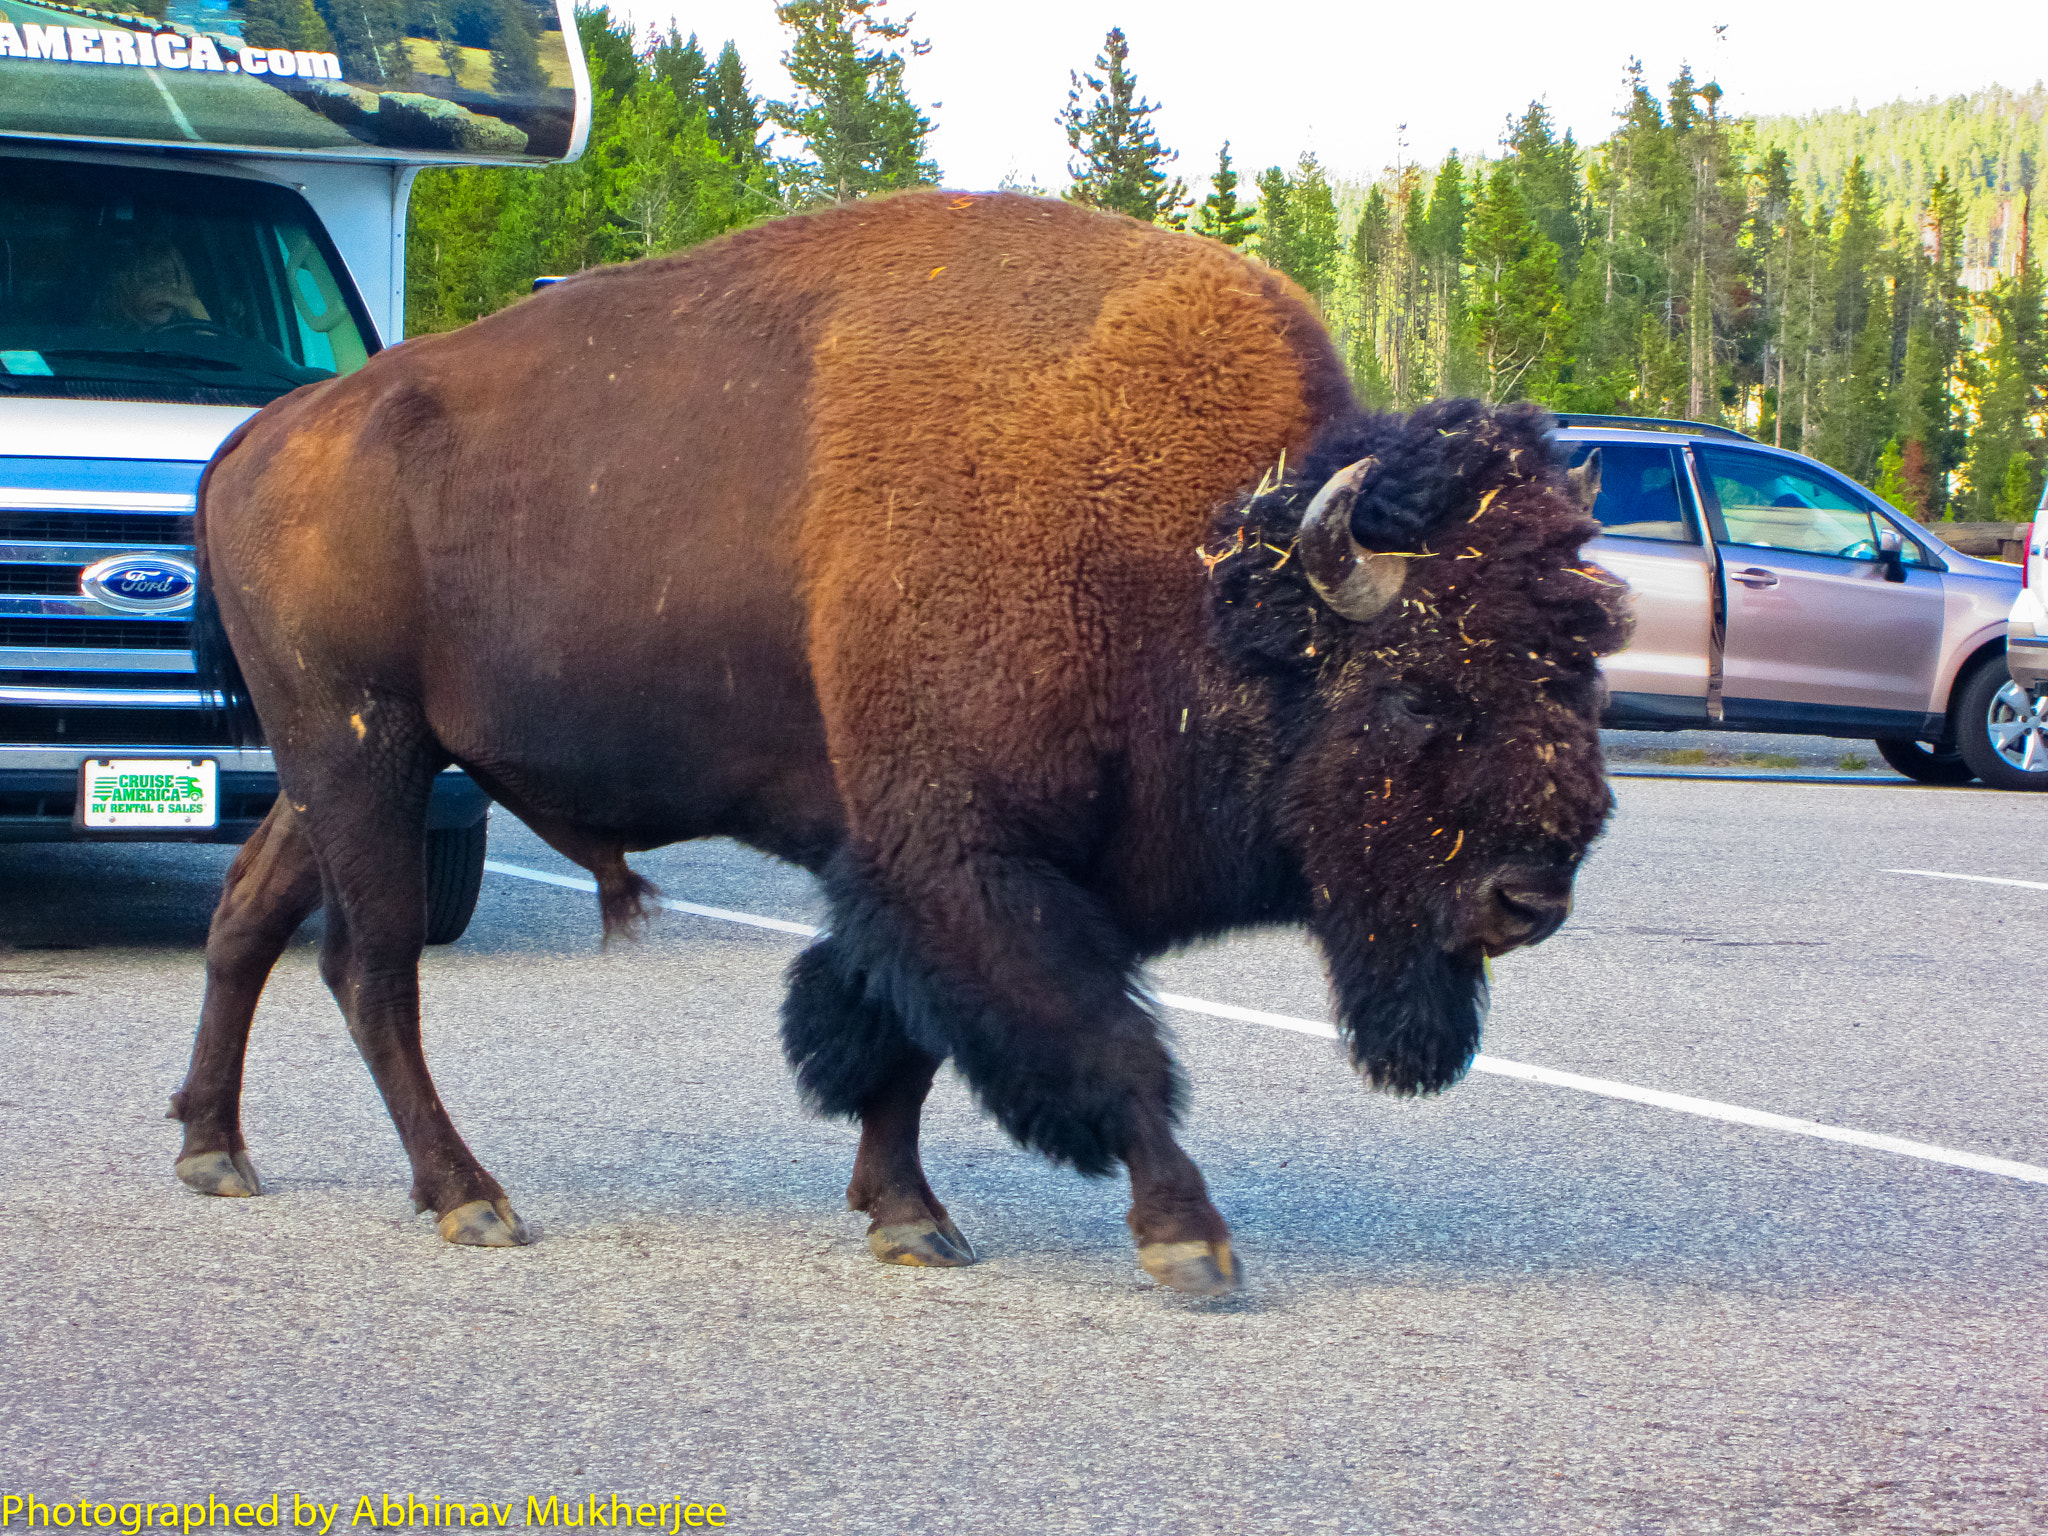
(2018,711)
(191,227)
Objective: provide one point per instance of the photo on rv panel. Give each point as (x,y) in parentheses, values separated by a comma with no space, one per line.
(478,79)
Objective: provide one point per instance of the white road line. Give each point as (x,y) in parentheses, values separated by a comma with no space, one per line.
(1496,1066)
(570,882)
(1935,874)
(177,112)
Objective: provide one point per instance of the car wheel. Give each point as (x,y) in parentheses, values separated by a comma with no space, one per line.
(2003,733)
(455,875)
(1941,763)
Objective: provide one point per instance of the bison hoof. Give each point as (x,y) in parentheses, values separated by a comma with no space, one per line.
(483,1224)
(1193,1269)
(220,1173)
(925,1244)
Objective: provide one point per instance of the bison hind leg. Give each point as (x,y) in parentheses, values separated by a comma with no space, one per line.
(272,887)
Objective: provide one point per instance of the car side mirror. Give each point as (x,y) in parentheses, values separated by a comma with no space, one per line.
(1891,554)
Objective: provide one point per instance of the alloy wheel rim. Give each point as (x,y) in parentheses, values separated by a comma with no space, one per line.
(2018,727)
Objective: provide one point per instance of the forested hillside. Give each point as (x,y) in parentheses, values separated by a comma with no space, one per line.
(1990,142)
(1858,285)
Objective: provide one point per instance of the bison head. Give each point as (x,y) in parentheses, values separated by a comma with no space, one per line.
(1413,597)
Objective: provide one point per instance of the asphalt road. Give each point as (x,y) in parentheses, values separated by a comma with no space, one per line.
(1514,1308)
(122,101)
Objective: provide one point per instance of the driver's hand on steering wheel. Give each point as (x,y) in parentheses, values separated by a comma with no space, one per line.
(158,307)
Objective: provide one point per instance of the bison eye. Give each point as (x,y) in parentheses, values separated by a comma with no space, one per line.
(1407,704)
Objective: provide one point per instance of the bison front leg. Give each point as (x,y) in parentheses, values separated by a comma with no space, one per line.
(1017,975)
(1183,1241)
(853,1058)
(272,887)
(907,1225)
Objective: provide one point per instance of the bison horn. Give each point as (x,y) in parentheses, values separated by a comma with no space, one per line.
(1355,581)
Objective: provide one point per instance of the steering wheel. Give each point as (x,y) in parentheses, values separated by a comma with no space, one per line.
(193,328)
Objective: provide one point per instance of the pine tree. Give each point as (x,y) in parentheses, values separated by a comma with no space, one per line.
(1414,376)
(2004,469)
(1221,216)
(1298,225)
(1860,417)
(1454,366)
(678,63)
(285,24)
(447,40)
(607,50)
(1121,164)
(735,122)
(2021,492)
(369,35)
(1946,312)
(671,185)
(851,110)
(1547,174)
(1891,482)
(1277,233)
(1373,255)
(1517,307)
(515,51)
(1857,239)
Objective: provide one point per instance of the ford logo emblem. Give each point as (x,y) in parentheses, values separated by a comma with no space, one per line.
(141,583)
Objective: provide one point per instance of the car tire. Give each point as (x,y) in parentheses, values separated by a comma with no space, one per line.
(2003,733)
(455,876)
(1941,763)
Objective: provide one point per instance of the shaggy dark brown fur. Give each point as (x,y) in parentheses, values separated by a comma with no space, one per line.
(911,542)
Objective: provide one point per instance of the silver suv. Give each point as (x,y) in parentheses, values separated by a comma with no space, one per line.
(1773,594)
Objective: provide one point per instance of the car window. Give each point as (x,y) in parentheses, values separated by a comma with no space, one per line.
(1772,502)
(1639,491)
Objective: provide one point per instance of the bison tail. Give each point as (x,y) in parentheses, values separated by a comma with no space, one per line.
(220,675)
(626,899)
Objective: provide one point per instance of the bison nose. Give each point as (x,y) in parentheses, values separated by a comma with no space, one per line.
(1520,910)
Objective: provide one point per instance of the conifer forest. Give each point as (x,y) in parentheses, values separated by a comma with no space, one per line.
(1860,285)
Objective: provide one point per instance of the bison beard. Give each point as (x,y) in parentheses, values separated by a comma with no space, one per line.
(1410,1010)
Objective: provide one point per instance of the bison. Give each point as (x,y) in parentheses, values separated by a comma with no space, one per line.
(1028,574)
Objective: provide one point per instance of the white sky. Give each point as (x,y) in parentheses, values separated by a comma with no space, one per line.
(1289,75)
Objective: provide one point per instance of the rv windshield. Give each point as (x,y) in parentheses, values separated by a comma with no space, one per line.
(119,284)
